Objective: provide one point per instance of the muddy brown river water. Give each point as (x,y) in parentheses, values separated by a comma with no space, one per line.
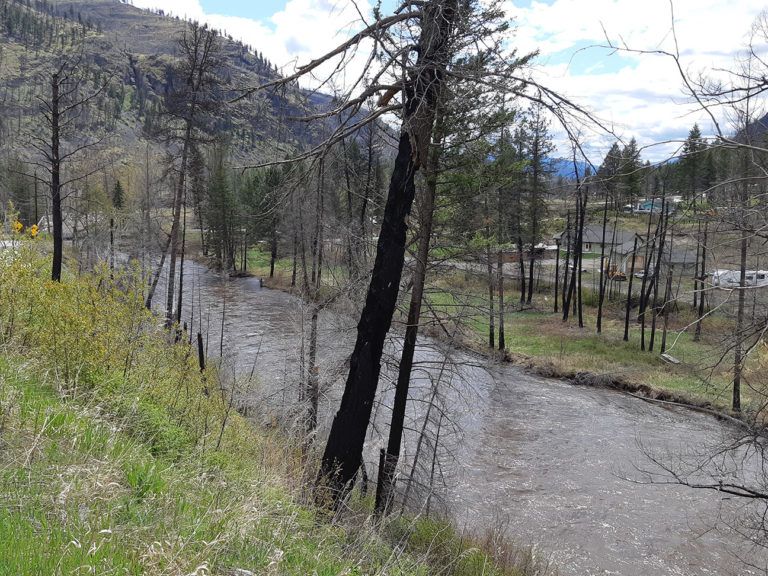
(552,464)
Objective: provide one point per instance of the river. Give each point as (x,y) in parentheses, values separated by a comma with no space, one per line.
(550,463)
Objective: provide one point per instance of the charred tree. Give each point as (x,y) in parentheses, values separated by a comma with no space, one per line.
(629,291)
(343,450)
(62,112)
(396,427)
(199,48)
(702,275)
(601,296)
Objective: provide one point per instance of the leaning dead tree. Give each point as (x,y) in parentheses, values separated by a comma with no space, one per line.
(414,47)
(189,106)
(466,113)
(420,88)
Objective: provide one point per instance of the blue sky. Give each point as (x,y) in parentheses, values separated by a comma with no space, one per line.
(259,9)
(639,96)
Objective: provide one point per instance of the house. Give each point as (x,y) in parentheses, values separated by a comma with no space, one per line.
(592,238)
(682,258)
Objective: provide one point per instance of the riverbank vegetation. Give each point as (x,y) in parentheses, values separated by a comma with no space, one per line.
(119,455)
(537,339)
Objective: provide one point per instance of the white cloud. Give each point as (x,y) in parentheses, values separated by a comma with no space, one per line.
(641,94)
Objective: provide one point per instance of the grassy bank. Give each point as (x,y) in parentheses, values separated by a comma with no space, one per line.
(537,337)
(118,456)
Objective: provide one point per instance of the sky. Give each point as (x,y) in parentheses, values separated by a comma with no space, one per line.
(639,96)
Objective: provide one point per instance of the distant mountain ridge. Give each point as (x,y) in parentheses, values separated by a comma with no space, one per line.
(564,168)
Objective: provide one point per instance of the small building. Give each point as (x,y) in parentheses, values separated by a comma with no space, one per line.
(592,239)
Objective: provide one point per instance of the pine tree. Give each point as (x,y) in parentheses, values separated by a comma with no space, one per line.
(692,163)
(610,171)
(631,176)
(118,196)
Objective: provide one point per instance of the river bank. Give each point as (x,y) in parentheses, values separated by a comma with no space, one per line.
(118,455)
(543,344)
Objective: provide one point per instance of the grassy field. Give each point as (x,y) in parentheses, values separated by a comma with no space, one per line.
(118,456)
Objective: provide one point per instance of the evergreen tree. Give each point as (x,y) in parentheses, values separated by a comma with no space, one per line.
(693,164)
(118,196)
(610,171)
(631,174)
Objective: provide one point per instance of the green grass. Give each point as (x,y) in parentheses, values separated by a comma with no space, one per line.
(460,301)
(259,258)
(259,264)
(79,497)
(117,456)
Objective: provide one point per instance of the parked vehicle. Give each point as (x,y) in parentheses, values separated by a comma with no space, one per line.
(732,278)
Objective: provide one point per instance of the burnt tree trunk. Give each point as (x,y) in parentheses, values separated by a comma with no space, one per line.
(557,273)
(646,267)
(696,273)
(491,287)
(567,259)
(738,349)
(656,273)
(500,289)
(601,296)
(629,291)
(176,225)
(199,49)
(426,210)
(58,234)
(697,334)
(580,254)
(343,450)
(666,306)
(180,301)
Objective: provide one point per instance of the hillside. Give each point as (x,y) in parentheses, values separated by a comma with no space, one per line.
(138,49)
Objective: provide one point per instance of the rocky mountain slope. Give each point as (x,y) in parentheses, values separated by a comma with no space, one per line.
(138,49)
